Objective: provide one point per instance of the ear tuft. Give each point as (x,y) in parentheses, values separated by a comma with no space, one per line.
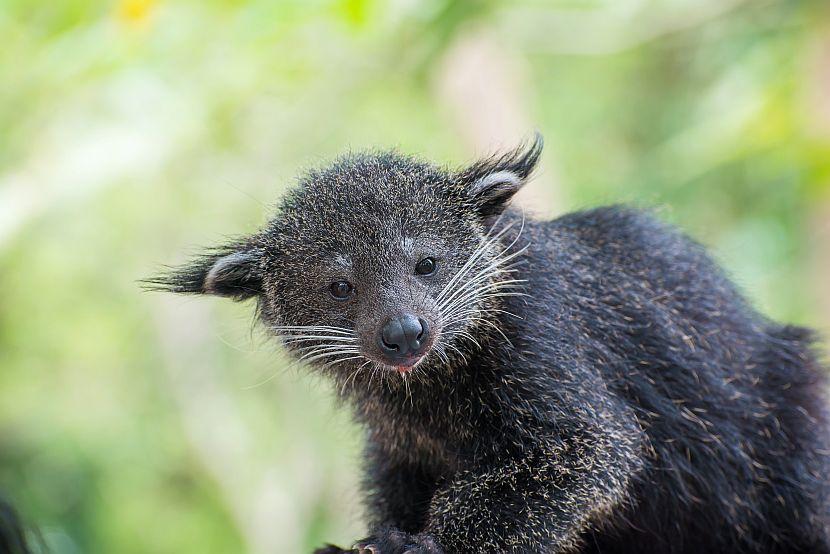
(492,182)
(229,272)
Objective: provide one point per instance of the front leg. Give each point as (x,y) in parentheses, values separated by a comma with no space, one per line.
(538,498)
(399,495)
(533,483)
(399,490)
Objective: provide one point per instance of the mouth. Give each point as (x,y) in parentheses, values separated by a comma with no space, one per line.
(404,364)
(408,364)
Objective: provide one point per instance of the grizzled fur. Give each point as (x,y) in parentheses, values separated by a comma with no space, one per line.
(595,384)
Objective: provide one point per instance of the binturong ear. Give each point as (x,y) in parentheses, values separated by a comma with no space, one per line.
(233,272)
(492,182)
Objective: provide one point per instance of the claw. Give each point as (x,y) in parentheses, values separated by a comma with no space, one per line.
(363,548)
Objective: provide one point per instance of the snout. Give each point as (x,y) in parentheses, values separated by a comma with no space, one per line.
(403,339)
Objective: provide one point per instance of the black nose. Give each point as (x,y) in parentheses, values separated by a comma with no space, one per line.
(404,335)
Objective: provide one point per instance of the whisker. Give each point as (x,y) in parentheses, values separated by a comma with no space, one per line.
(487,284)
(487,292)
(483,274)
(482,321)
(469,337)
(375,369)
(289,339)
(322,347)
(481,250)
(441,353)
(462,315)
(311,353)
(482,277)
(353,376)
(461,307)
(462,300)
(264,381)
(312,328)
(406,388)
(328,354)
(460,353)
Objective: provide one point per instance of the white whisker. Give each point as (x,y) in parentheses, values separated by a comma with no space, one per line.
(312,328)
(486,273)
(498,287)
(477,253)
(289,339)
(463,300)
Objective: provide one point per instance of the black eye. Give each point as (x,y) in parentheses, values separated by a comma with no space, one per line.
(341,290)
(427,266)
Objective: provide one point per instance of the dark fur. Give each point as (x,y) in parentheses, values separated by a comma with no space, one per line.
(632,402)
(13,538)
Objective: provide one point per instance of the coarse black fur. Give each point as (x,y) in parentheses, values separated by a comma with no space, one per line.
(594,383)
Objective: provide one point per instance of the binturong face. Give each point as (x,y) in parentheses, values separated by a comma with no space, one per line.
(379,262)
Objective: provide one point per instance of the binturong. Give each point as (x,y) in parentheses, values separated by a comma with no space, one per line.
(589,384)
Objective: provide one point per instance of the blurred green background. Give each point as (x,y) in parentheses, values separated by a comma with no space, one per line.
(133,132)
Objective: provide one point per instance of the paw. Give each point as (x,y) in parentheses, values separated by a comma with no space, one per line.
(392,541)
(331,549)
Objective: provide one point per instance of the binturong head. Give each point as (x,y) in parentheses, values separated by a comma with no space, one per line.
(379,262)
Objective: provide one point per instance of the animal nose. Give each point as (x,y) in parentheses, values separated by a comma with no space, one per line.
(404,335)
